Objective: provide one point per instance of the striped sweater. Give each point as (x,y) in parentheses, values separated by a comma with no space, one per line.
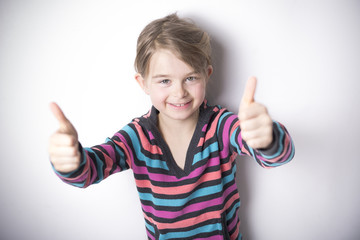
(200,201)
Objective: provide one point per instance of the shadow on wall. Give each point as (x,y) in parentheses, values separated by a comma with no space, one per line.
(216,92)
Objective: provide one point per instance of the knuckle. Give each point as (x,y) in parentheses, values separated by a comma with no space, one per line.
(242,115)
(243,126)
(73,141)
(74,152)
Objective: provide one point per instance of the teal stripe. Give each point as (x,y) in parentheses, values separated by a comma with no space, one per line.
(233,211)
(99,165)
(198,193)
(203,229)
(120,152)
(281,163)
(154,163)
(281,147)
(149,227)
(206,152)
(67,175)
(234,143)
(221,119)
(80,185)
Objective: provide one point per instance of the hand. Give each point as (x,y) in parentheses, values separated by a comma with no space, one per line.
(255,122)
(63,144)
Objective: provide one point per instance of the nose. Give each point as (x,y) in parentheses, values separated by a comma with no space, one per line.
(179,90)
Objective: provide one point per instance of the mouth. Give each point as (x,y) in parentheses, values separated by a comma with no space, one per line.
(180,105)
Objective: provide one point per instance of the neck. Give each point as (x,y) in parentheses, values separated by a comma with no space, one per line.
(178,127)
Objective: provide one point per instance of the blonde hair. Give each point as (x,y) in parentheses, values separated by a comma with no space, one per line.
(186,40)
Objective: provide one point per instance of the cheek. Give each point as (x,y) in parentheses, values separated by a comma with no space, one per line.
(158,95)
(199,90)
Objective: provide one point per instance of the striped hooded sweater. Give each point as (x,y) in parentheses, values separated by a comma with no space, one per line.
(200,201)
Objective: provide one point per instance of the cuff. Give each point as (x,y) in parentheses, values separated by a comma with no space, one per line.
(274,145)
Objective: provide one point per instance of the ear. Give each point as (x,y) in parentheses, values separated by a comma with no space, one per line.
(142,82)
(209,72)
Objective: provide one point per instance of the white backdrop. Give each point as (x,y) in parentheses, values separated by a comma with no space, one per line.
(306,55)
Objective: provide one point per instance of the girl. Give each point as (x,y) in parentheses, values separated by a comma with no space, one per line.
(183,151)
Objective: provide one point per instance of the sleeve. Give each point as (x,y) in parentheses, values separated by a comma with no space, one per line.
(100,161)
(281,150)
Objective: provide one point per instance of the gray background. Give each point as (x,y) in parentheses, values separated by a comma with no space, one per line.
(306,55)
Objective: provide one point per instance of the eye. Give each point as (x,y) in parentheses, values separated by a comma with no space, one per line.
(191,78)
(165,81)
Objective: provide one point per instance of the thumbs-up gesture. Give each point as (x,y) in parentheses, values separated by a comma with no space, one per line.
(63,144)
(255,122)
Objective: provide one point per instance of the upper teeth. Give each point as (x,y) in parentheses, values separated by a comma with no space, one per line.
(180,105)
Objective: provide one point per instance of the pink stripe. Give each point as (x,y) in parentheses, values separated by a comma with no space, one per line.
(200,218)
(109,149)
(283,156)
(184,188)
(108,160)
(225,138)
(234,221)
(145,144)
(211,132)
(236,233)
(191,208)
(190,221)
(149,235)
(178,189)
(82,177)
(163,177)
(93,171)
(126,148)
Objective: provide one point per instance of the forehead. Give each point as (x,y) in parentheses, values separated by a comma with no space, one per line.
(167,63)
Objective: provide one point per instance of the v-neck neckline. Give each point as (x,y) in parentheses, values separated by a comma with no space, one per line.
(191,150)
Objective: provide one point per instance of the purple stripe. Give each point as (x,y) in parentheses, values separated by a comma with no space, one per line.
(217,237)
(151,135)
(94,172)
(280,158)
(128,149)
(82,177)
(234,222)
(110,150)
(168,178)
(225,137)
(191,208)
(150,235)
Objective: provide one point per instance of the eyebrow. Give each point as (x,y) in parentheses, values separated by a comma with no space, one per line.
(167,75)
(161,76)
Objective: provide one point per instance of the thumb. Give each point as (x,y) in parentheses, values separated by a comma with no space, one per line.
(65,124)
(249,91)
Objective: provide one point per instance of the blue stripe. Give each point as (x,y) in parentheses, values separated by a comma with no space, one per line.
(284,162)
(234,143)
(281,147)
(233,211)
(154,163)
(206,152)
(203,229)
(221,119)
(198,193)
(150,228)
(99,164)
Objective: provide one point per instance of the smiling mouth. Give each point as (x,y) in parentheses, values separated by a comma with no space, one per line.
(179,105)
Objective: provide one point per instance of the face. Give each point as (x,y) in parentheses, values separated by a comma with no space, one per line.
(175,88)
